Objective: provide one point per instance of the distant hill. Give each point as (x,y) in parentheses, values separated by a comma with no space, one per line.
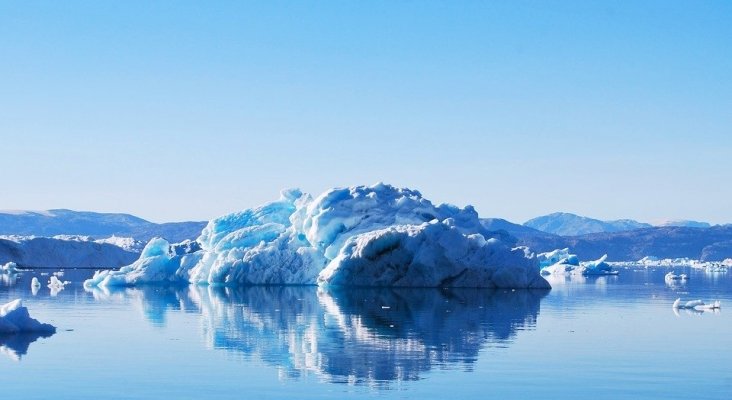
(708,244)
(516,230)
(567,224)
(99,225)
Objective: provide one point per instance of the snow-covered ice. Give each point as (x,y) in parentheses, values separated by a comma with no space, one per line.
(558,261)
(363,235)
(54,282)
(14,318)
(697,304)
(558,256)
(597,267)
(9,268)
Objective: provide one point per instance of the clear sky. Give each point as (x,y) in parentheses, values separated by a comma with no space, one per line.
(176,110)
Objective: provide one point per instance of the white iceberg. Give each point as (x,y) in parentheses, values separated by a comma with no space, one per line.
(9,268)
(363,235)
(558,256)
(14,318)
(55,283)
(697,304)
(558,261)
(597,267)
(671,276)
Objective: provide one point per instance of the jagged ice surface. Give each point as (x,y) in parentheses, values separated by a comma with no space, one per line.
(365,235)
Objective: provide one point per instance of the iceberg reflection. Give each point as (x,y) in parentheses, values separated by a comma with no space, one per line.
(356,336)
(15,346)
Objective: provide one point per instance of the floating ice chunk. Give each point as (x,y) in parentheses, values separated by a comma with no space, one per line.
(697,304)
(14,318)
(559,256)
(35,283)
(9,268)
(597,267)
(558,261)
(158,263)
(55,283)
(293,239)
(430,255)
(715,305)
(35,286)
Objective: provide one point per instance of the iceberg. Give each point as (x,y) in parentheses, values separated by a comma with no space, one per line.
(558,256)
(55,283)
(697,304)
(558,261)
(597,267)
(376,235)
(9,268)
(14,318)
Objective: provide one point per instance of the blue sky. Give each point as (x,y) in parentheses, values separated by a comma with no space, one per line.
(176,110)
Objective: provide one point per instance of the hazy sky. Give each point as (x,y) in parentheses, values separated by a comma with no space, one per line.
(175,110)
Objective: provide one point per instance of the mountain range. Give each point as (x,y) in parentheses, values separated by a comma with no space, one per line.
(621,240)
(99,225)
(567,224)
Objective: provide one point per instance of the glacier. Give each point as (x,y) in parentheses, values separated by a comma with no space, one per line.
(376,235)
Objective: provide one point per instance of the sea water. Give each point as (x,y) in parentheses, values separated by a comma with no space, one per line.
(601,338)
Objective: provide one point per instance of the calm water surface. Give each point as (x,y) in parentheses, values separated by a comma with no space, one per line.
(599,338)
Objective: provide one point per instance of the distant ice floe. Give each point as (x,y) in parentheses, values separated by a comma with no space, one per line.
(696,306)
(56,285)
(9,268)
(655,262)
(671,276)
(364,235)
(54,282)
(560,261)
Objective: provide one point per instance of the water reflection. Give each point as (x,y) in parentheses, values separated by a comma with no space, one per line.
(356,336)
(8,279)
(16,345)
(153,301)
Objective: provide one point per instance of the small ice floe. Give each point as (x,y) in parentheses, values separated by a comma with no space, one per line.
(56,285)
(671,276)
(14,318)
(35,285)
(10,268)
(54,282)
(697,305)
